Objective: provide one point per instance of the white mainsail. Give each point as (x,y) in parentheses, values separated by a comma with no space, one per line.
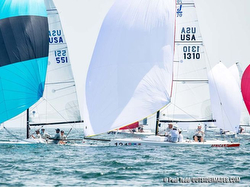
(190,99)
(130,73)
(59,102)
(226,98)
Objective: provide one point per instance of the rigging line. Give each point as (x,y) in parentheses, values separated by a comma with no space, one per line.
(184,111)
(71,93)
(11,133)
(69,132)
(188,89)
(194,71)
(37,130)
(54,109)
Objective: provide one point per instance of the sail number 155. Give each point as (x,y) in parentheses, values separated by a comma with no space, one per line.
(191,52)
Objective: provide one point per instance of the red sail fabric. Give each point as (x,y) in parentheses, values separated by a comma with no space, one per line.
(131,126)
(245,87)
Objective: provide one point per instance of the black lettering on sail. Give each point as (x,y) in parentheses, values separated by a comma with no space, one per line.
(186,34)
(193,30)
(182,30)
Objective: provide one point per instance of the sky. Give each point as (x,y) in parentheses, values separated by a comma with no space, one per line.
(224,24)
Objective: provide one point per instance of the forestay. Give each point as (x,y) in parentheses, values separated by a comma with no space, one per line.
(190,99)
(59,102)
(130,73)
(23,55)
(226,98)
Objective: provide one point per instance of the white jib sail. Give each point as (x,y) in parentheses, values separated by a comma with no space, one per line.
(226,98)
(130,73)
(59,102)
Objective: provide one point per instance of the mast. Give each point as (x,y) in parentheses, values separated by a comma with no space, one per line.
(28,125)
(157,122)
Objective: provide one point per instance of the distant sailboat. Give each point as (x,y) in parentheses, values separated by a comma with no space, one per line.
(131,71)
(237,72)
(226,99)
(23,55)
(59,104)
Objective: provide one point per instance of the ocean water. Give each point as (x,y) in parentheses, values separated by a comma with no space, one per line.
(97,164)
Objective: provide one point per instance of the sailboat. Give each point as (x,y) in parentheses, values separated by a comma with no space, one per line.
(226,99)
(23,55)
(132,73)
(236,72)
(59,103)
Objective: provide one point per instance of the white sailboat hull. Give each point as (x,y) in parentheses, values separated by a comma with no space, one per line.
(160,141)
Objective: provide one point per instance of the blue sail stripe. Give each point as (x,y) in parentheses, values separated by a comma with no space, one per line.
(13,8)
(21,85)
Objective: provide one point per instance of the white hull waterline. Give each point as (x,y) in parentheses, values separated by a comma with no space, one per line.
(160,141)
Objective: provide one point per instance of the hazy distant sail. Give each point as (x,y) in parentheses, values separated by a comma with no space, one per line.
(130,73)
(234,69)
(23,55)
(59,102)
(226,99)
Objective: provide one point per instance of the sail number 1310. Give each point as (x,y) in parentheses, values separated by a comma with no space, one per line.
(191,52)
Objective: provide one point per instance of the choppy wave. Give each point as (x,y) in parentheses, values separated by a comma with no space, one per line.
(101,165)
